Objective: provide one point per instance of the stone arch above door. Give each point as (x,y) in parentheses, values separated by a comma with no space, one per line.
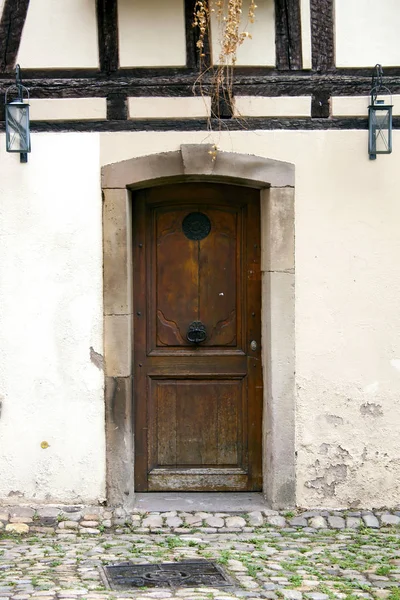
(194,162)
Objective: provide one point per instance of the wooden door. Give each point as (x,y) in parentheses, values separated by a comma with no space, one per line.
(197,336)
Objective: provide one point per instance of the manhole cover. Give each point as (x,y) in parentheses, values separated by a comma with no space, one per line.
(187,573)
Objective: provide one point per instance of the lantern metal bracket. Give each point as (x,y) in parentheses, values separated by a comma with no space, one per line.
(21,89)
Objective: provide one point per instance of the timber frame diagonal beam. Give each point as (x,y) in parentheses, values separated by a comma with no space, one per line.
(288,35)
(11,26)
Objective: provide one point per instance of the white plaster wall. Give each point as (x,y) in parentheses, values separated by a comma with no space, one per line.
(173,108)
(51,315)
(280,106)
(67,109)
(367,33)
(347,315)
(358,105)
(1,7)
(59,34)
(306,33)
(151,33)
(260,49)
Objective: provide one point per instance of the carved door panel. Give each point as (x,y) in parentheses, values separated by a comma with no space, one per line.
(197,297)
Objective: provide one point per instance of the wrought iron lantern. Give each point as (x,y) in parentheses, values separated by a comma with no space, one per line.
(18,138)
(379,117)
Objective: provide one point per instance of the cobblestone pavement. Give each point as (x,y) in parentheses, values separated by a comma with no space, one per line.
(293,563)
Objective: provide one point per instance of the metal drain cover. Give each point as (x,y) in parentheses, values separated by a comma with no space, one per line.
(186,573)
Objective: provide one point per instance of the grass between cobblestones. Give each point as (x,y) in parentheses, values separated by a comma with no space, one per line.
(268,563)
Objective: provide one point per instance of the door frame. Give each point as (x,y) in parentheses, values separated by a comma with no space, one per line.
(195,162)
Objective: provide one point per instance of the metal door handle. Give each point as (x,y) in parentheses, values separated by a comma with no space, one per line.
(196,334)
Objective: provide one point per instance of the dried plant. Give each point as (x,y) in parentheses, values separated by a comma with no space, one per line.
(232,24)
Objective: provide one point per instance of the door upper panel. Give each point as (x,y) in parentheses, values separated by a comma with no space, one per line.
(196,261)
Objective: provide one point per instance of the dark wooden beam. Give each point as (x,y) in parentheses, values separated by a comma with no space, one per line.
(322,35)
(166,75)
(248,123)
(107,24)
(192,36)
(321,105)
(178,85)
(288,35)
(11,26)
(117,108)
(222,105)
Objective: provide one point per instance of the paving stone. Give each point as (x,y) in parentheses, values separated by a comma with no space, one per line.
(68,525)
(21,511)
(371,521)
(336,522)
(89,523)
(174,522)
(48,512)
(388,519)
(192,520)
(214,521)
(277,521)
(21,520)
(316,596)
(292,594)
(318,522)
(17,528)
(298,522)
(255,518)
(353,522)
(235,522)
(152,521)
(89,530)
(72,516)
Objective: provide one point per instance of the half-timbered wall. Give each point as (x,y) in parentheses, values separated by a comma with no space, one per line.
(102,93)
(59,35)
(367,36)
(262,49)
(151,35)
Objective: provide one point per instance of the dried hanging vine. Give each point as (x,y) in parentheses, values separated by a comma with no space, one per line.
(232,23)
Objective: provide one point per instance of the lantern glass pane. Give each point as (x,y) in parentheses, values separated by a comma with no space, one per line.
(380,130)
(17,127)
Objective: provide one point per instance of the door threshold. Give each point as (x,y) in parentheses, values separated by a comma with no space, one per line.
(227,502)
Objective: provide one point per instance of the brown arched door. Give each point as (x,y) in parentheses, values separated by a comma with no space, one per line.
(197,338)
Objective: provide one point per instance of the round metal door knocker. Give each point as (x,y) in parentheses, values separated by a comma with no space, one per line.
(196,334)
(196,226)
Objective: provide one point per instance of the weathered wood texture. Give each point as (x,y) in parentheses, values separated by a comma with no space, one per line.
(198,406)
(222,105)
(177,84)
(322,35)
(165,74)
(107,25)
(320,105)
(288,35)
(117,107)
(11,26)
(250,123)
(192,36)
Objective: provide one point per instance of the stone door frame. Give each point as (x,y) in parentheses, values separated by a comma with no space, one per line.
(194,162)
